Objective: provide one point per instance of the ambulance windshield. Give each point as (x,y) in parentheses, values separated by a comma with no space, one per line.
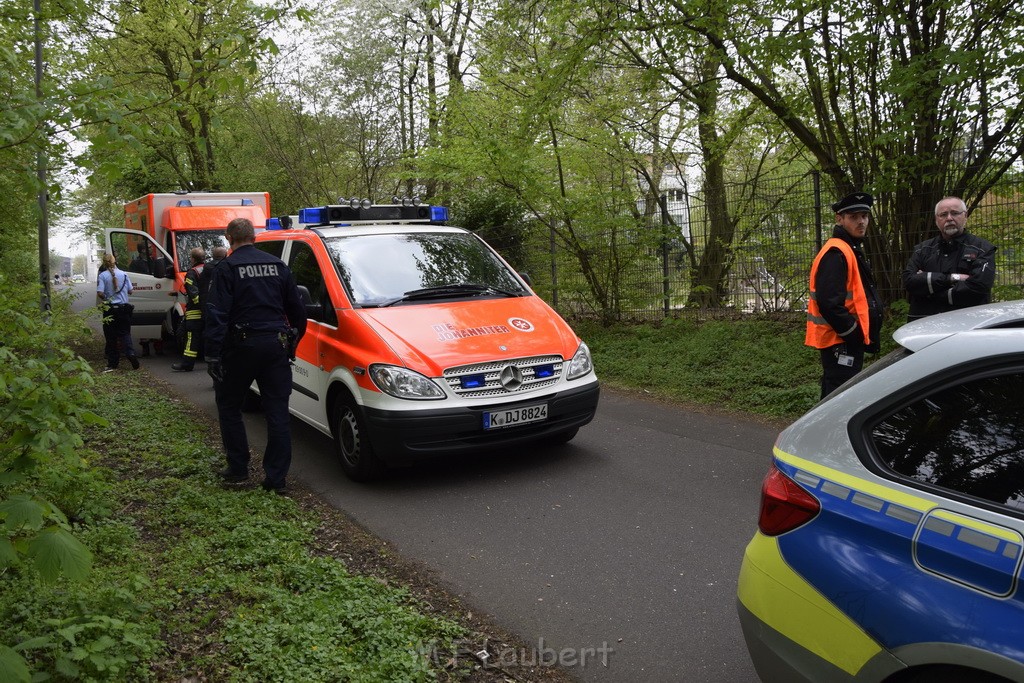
(186,240)
(392,269)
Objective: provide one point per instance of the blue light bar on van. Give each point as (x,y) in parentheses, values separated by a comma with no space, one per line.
(228,202)
(279,223)
(317,215)
(341,213)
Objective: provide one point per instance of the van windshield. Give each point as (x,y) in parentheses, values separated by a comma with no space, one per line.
(385,270)
(186,240)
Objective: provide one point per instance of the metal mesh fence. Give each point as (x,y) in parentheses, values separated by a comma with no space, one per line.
(676,260)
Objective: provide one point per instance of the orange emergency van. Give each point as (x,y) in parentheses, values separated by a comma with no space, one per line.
(422,340)
(160,230)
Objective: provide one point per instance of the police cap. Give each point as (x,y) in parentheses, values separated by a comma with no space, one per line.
(858,201)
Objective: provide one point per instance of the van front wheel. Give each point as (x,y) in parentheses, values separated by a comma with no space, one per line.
(354,450)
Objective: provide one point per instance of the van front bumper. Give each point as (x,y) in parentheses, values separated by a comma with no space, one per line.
(405,437)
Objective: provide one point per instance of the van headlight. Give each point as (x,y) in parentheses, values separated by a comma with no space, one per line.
(404,383)
(581,363)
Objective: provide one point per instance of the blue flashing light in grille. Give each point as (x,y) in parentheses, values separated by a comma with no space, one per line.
(473,381)
(542,371)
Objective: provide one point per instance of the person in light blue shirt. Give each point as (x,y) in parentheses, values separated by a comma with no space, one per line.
(112,291)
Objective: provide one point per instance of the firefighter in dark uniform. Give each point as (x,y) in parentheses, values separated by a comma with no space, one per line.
(193,322)
(951,271)
(219,254)
(255,320)
(844,313)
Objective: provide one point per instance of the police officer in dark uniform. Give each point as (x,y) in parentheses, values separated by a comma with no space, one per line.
(256,318)
(844,313)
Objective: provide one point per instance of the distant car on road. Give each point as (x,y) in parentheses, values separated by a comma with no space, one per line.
(78,277)
(891,531)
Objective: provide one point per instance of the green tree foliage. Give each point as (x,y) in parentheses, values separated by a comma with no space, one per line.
(912,102)
(171,69)
(548,122)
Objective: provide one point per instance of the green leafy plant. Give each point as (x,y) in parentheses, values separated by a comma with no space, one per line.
(44,400)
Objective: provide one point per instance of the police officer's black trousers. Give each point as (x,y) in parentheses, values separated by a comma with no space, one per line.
(838,364)
(263,359)
(117,333)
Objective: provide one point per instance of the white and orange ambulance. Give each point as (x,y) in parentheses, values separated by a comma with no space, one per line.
(422,341)
(160,230)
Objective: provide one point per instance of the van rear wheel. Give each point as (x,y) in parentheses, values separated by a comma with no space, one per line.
(350,438)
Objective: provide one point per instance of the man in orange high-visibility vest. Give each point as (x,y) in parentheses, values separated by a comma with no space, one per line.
(844,314)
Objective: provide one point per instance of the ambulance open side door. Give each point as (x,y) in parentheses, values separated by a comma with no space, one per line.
(151,271)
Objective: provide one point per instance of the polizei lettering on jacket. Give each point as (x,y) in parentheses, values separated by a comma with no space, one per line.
(258,270)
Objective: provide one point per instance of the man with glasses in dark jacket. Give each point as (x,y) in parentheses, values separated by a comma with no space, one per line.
(953,270)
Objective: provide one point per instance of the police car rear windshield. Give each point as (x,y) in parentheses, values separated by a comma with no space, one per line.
(400,269)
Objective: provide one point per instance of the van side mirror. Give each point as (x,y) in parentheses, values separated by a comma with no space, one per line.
(526,276)
(313,311)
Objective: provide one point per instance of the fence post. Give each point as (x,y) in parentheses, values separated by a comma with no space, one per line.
(816,175)
(666,291)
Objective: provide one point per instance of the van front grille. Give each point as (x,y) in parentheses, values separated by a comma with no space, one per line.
(504,377)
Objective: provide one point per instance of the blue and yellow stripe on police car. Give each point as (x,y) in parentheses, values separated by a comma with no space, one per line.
(897,568)
(782,599)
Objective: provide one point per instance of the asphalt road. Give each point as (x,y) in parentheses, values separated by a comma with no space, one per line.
(616,553)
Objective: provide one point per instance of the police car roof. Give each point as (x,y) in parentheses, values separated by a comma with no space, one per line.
(918,334)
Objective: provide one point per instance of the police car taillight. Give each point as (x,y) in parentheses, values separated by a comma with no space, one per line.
(784,504)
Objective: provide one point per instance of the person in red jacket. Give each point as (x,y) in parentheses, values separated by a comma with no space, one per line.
(844,313)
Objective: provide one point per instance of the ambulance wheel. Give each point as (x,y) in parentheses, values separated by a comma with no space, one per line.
(354,450)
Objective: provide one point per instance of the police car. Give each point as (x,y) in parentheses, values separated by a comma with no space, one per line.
(422,341)
(891,529)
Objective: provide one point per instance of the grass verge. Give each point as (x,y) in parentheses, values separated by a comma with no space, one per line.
(754,366)
(194,582)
